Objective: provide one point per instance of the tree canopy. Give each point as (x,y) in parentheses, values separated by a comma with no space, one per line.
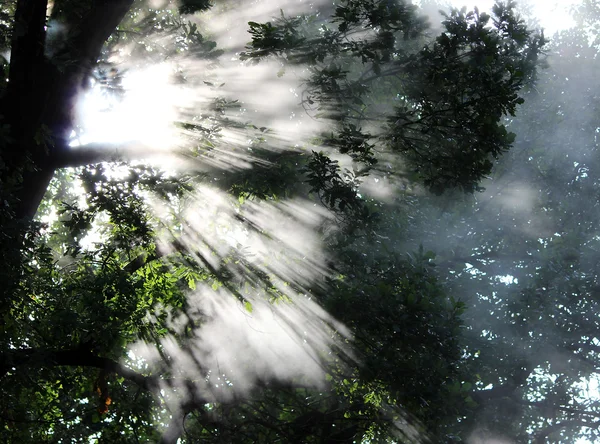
(418,265)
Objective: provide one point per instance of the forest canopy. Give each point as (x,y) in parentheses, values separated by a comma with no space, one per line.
(359,221)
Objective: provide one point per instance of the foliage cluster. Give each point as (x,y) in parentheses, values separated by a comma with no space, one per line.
(438,346)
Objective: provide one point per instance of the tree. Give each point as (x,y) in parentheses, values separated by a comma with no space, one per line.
(104,341)
(523,255)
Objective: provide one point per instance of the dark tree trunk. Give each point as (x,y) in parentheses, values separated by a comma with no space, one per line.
(42,92)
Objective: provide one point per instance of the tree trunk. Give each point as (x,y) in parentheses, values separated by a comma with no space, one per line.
(42,92)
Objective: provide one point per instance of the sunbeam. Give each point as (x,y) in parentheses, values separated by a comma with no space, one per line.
(249,320)
(299,221)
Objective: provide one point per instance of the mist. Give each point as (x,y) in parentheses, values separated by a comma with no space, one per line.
(252,324)
(521,254)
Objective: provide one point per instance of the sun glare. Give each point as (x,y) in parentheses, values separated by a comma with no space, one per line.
(265,326)
(142,108)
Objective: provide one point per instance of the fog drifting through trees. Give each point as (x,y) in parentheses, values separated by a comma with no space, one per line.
(293,221)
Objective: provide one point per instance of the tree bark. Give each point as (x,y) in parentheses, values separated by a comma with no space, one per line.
(42,92)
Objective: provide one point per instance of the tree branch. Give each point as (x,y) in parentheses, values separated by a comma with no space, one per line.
(104,152)
(42,92)
(75,59)
(193,399)
(497,392)
(541,436)
(77,358)
(80,357)
(548,405)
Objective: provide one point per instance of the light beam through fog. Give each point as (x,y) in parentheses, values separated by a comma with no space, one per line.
(265,329)
(142,107)
(278,333)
